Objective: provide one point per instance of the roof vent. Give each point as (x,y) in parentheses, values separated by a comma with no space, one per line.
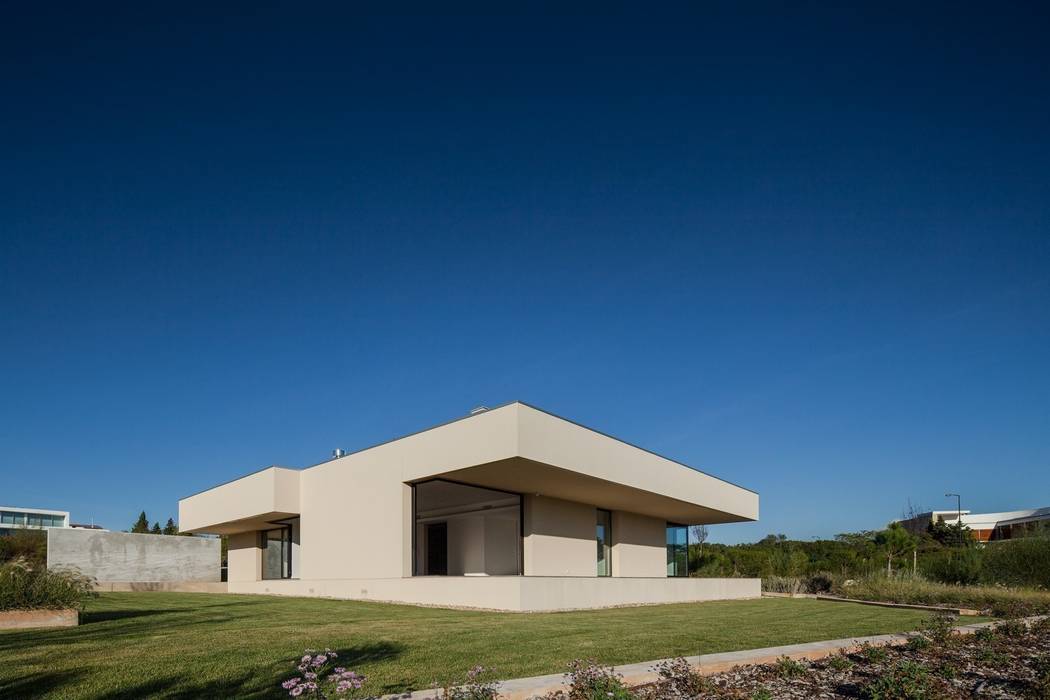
(338,452)
(478,409)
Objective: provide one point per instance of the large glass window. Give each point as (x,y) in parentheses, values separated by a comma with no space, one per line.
(677,550)
(604,536)
(277,553)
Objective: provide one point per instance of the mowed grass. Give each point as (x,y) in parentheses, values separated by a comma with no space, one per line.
(189,645)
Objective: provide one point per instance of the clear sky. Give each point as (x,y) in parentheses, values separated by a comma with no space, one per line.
(805,249)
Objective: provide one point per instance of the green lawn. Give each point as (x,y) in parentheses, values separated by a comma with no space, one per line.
(189,645)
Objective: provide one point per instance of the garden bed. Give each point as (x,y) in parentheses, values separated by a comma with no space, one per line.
(1010,660)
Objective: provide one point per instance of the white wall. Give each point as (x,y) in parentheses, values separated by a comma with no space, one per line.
(559,537)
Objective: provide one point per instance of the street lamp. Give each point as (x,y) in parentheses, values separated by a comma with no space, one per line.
(958,507)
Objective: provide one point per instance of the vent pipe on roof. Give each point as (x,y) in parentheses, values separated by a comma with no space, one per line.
(337,453)
(478,409)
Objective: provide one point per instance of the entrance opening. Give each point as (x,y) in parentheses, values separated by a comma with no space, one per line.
(463,530)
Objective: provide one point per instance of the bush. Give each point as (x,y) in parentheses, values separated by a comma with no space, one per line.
(1021,562)
(589,680)
(783,584)
(480,685)
(318,679)
(678,679)
(954,566)
(25,586)
(902,588)
(30,545)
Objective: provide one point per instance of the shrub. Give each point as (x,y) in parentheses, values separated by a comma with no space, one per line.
(918,643)
(820,582)
(1012,627)
(916,590)
(906,680)
(840,662)
(954,566)
(872,654)
(679,679)
(30,545)
(789,668)
(783,584)
(26,586)
(589,680)
(318,679)
(480,685)
(938,629)
(761,694)
(1041,683)
(1021,562)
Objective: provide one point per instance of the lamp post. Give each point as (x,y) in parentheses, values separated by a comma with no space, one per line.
(958,507)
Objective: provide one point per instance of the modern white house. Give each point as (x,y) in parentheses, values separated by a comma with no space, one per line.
(986,527)
(511,508)
(14,518)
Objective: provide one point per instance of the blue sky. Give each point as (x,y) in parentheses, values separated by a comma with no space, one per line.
(805,249)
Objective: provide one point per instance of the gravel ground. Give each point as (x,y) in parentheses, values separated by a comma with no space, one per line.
(1010,661)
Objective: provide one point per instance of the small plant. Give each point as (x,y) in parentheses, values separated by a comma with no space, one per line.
(873,654)
(1012,628)
(679,679)
(985,635)
(917,643)
(840,662)
(318,679)
(991,657)
(1041,684)
(480,685)
(905,681)
(761,694)
(948,671)
(938,629)
(589,680)
(789,668)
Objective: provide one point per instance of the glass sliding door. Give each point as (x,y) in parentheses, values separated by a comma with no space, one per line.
(677,550)
(604,537)
(277,553)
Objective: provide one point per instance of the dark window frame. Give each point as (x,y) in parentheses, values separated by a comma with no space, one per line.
(608,541)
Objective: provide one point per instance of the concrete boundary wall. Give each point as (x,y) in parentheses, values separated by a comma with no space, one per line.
(131,557)
(514,593)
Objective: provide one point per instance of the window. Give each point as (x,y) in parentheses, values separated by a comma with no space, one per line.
(677,550)
(277,553)
(604,537)
(11,518)
(465,530)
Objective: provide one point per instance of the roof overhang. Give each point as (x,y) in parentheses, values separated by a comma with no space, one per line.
(253,502)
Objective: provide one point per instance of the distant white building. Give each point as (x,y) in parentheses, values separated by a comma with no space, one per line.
(985,526)
(12,519)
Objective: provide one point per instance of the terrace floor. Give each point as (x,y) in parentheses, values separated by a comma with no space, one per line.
(192,645)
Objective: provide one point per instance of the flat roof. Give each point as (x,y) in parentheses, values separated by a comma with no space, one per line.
(467,417)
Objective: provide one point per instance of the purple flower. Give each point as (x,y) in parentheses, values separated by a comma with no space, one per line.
(290,683)
(339,669)
(296,691)
(310,676)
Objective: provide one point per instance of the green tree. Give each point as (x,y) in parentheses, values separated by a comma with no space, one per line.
(894,542)
(953,535)
(142,524)
(170,528)
(155,530)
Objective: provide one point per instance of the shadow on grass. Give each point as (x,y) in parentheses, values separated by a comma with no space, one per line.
(37,684)
(87,618)
(246,684)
